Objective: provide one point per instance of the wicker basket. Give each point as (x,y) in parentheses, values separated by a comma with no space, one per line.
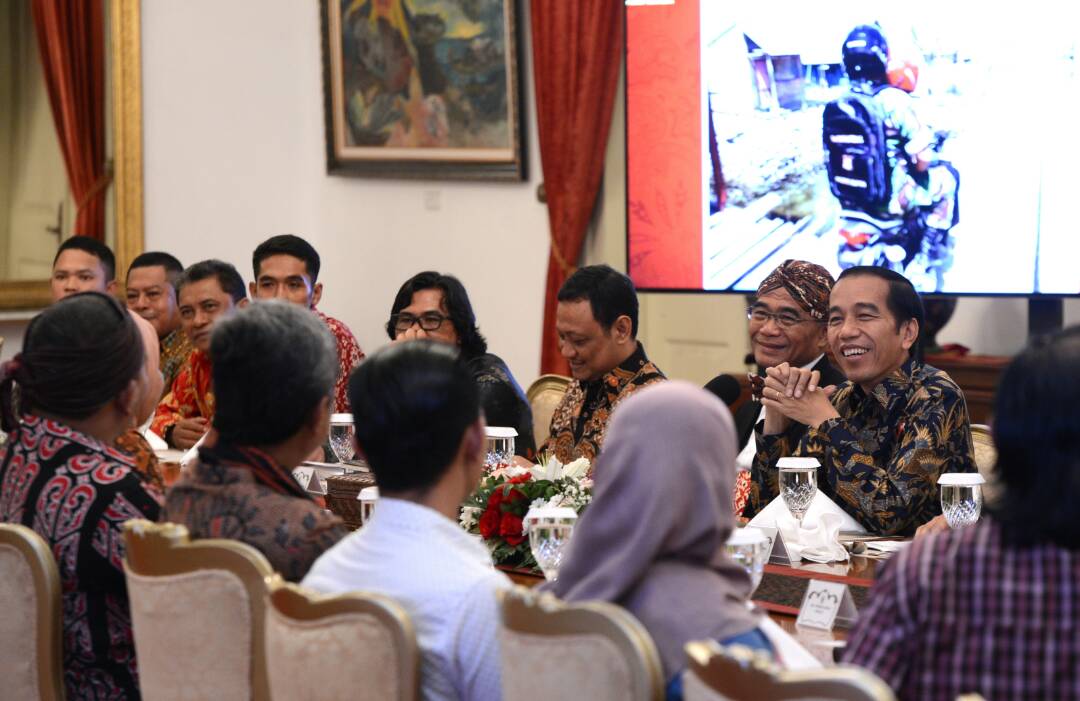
(342,495)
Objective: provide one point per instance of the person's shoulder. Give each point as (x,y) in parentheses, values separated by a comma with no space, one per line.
(937,383)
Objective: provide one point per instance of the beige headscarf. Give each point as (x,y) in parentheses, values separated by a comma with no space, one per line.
(651,541)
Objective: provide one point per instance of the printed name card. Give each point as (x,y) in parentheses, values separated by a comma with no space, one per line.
(825,605)
(304,475)
(778,554)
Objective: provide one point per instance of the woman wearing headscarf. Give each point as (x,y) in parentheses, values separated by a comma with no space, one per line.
(80,378)
(654,545)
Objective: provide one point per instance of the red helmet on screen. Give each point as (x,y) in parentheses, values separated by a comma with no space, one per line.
(903,74)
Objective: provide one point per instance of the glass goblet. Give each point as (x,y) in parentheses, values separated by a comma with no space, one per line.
(500,447)
(961,498)
(368,497)
(341,436)
(749,548)
(798,484)
(549,530)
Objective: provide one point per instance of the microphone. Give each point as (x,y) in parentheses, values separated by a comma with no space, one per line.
(726,387)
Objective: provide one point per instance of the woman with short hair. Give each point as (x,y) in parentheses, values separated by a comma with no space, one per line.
(80,378)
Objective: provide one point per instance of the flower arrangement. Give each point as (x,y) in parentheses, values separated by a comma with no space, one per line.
(496,509)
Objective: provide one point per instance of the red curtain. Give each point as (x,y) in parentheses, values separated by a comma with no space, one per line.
(71,41)
(577,49)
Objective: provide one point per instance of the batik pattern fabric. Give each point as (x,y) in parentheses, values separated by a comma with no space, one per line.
(220,497)
(191,395)
(881,459)
(175,349)
(349,356)
(580,420)
(76,493)
(964,611)
(138,448)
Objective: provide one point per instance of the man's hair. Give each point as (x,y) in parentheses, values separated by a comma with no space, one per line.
(458,308)
(902,300)
(227,276)
(411,404)
(173,267)
(272,364)
(1035,428)
(610,293)
(289,245)
(93,247)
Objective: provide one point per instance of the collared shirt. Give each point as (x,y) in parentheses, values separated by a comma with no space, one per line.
(175,349)
(349,356)
(222,500)
(191,395)
(580,420)
(444,579)
(963,611)
(881,459)
(76,493)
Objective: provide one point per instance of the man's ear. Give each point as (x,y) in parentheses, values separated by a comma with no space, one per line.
(316,293)
(474,441)
(127,401)
(909,333)
(252,288)
(320,416)
(243,303)
(111,287)
(622,329)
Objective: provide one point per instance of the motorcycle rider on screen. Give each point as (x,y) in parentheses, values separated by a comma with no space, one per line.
(899,200)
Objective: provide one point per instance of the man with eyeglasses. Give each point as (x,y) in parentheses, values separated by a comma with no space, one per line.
(435,306)
(287,267)
(787,325)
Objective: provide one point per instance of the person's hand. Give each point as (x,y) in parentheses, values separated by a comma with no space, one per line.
(934,525)
(795,394)
(522,462)
(188,432)
(409,334)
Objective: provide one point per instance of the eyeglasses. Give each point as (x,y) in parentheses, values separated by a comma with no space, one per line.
(429,321)
(784,320)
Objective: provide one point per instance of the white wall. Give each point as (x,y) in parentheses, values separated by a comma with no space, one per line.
(234,153)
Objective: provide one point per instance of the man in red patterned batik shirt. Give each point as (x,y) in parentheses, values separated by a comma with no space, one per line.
(287,267)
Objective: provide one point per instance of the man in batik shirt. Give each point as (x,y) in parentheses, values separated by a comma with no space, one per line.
(151,293)
(887,434)
(287,267)
(596,319)
(207,291)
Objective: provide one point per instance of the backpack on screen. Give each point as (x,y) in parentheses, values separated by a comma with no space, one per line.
(856,157)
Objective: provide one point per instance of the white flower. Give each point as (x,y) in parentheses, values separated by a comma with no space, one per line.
(537,504)
(577,469)
(554,470)
(468,517)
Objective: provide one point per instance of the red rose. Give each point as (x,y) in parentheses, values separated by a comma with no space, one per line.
(489,523)
(510,529)
(513,497)
(520,479)
(496,498)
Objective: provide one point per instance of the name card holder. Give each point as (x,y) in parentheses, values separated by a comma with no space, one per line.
(778,553)
(305,476)
(825,605)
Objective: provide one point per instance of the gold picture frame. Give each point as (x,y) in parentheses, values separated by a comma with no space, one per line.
(125,57)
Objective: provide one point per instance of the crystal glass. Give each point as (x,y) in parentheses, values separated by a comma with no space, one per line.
(342,436)
(798,485)
(961,498)
(500,447)
(368,497)
(749,547)
(549,532)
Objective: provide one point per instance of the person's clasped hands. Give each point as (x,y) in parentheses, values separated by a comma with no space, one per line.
(793,394)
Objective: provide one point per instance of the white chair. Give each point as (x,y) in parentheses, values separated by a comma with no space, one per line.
(309,636)
(736,673)
(198,610)
(31,652)
(594,651)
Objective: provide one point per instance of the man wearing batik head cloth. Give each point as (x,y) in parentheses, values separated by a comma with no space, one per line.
(787,325)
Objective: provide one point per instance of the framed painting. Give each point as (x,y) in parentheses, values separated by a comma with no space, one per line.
(423,89)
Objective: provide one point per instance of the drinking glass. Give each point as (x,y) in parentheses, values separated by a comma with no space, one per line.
(549,532)
(500,447)
(961,498)
(798,484)
(341,436)
(749,548)
(368,497)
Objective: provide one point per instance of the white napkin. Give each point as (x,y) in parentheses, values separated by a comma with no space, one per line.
(816,541)
(192,454)
(821,504)
(156,442)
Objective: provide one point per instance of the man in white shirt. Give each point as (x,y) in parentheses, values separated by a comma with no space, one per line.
(417,414)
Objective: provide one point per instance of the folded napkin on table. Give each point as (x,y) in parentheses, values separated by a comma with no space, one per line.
(817,541)
(821,504)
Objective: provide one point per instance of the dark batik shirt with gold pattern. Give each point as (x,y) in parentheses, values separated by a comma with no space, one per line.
(580,421)
(175,349)
(880,460)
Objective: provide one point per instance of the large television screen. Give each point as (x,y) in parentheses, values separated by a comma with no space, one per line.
(939,139)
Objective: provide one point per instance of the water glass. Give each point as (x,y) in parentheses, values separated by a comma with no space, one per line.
(749,548)
(500,447)
(342,435)
(961,498)
(368,497)
(798,484)
(549,533)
